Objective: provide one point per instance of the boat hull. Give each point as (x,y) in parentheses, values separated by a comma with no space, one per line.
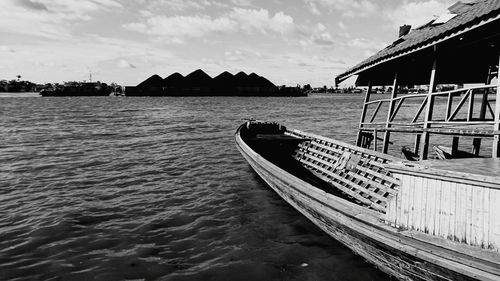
(349,224)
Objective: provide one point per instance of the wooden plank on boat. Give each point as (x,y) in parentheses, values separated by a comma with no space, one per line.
(439,195)
(453,210)
(280,137)
(494,232)
(423,182)
(461,213)
(369,176)
(486,218)
(417,202)
(445,209)
(343,188)
(360,190)
(432,206)
(405,202)
(468,215)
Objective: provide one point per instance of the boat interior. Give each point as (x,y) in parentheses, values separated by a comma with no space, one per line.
(349,172)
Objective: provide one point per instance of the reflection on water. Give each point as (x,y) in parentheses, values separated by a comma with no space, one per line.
(154,188)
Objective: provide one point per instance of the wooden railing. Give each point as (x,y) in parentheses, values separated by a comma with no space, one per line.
(455,112)
(466,95)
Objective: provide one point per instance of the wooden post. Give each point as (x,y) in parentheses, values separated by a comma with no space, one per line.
(476,143)
(470,111)
(387,134)
(424,146)
(416,148)
(454,145)
(476,146)
(363,114)
(496,138)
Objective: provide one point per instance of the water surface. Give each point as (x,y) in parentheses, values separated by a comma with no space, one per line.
(107,188)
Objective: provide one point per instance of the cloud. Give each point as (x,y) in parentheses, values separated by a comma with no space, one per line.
(48,18)
(348,8)
(417,13)
(178,29)
(125,64)
(6,49)
(32,5)
(260,20)
(177,5)
(242,2)
(367,46)
(320,36)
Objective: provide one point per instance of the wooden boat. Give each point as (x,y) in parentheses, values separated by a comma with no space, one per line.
(419,220)
(351,194)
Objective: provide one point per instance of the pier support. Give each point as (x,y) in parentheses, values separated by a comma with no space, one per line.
(454,145)
(387,134)
(416,147)
(476,146)
(363,115)
(424,146)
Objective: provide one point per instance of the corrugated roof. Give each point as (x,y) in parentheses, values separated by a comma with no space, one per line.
(430,34)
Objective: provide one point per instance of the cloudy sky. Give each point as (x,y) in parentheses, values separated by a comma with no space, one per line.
(125,41)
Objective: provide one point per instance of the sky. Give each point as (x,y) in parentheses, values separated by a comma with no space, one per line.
(125,41)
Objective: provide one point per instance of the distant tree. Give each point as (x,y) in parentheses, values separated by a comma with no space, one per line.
(307,87)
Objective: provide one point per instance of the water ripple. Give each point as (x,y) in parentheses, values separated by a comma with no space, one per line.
(154,188)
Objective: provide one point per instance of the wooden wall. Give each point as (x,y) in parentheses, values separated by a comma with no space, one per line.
(461,212)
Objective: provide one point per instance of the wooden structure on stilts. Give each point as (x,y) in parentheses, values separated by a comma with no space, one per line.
(463,51)
(415,220)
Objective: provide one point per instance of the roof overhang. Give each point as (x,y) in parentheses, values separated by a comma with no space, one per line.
(418,48)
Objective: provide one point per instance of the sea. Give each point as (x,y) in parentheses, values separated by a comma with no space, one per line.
(153,188)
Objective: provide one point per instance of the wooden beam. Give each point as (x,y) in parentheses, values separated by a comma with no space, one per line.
(376,111)
(484,105)
(476,146)
(491,110)
(396,110)
(459,106)
(470,111)
(449,104)
(454,145)
(387,133)
(424,143)
(496,138)
(416,148)
(363,113)
(365,106)
(420,109)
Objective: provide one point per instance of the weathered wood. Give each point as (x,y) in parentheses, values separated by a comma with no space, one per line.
(470,111)
(454,145)
(387,134)
(404,250)
(416,146)
(495,151)
(449,104)
(458,210)
(363,112)
(375,112)
(476,146)
(420,109)
(424,146)
(396,110)
(460,104)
